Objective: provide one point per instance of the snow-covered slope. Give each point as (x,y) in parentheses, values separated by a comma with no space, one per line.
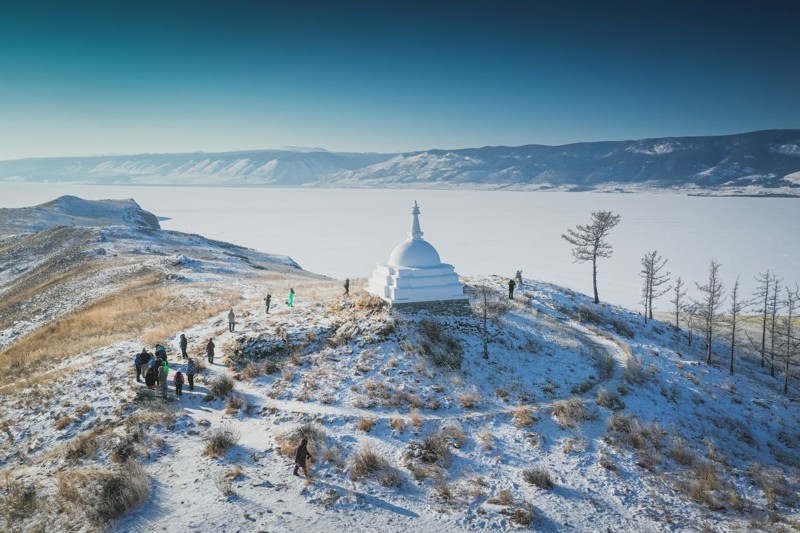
(761,162)
(74,211)
(581,419)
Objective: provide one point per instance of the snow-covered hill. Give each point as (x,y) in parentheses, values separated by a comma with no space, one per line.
(74,211)
(762,162)
(582,418)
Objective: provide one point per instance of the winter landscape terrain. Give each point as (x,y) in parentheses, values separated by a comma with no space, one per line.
(757,163)
(343,232)
(581,418)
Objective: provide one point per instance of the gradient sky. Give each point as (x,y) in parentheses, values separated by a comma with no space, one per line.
(113,76)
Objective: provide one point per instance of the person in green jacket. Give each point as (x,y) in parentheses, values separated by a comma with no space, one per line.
(291,297)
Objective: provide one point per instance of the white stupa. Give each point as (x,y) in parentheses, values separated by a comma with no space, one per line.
(415,273)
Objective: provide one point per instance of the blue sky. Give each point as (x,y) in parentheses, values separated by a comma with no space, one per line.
(83,78)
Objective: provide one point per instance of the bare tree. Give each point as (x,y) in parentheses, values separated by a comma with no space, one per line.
(678,300)
(760,295)
(652,265)
(693,320)
(774,311)
(589,241)
(791,343)
(735,310)
(490,307)
(712,296)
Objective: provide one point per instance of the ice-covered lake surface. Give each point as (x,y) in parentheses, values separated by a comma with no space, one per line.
(344,232)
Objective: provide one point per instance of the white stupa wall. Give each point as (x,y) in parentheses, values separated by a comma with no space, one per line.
(414,273)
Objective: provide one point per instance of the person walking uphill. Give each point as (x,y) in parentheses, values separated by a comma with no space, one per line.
(268,301)
(231,320)
(177,379)
(291,298)
(137,362)
(347,287)
(191,368)
(301,455)
(162,378)
(150,378)
(210,351)
(511,286)
(184,344)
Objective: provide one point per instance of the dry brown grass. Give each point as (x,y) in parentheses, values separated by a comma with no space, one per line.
(486,439)
(397,425)
(679,451)
(124,314)
(416,420)
(368,463)
(538,476)
(469,400)
(568,413)
(522,417)
(102,495)
(365,424)
(219,441)
(63,422)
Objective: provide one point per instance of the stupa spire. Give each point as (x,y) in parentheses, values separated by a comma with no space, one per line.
(416,231)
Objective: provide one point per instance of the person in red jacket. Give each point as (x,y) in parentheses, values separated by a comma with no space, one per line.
(177,379)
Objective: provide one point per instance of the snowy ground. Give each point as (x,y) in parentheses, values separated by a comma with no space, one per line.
(539,355)
(632,429)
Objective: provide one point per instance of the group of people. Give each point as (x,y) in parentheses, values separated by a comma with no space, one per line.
(155,368)
(157,374)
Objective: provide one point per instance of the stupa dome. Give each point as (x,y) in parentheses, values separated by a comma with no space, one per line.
(415,273)
(415,253)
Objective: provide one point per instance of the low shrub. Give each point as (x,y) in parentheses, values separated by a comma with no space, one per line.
(679,451)
(18,501)
(468,400)
(568,413)
(221,386)
(397,425)
(365,424)
(368,463)
(609,399)
(441,348)
(522,417)
(538,476)
(63,422)
(433,449)
(219,441)
(121,491)
(635,373)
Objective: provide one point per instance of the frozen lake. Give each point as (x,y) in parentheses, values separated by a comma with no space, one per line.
(344,232)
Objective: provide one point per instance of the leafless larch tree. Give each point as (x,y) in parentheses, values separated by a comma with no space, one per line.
(712,296)
(653,281)
(589,241)
(678,301)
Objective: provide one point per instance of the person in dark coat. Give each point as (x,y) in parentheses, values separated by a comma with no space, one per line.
(301,455)
(150,377)
(210,351)
(511,285)
(191,368)
(177,379)
(347,287)
(137,362)
(184,344)
(268,301)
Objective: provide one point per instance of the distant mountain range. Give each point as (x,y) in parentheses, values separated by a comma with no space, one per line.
(760,163)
